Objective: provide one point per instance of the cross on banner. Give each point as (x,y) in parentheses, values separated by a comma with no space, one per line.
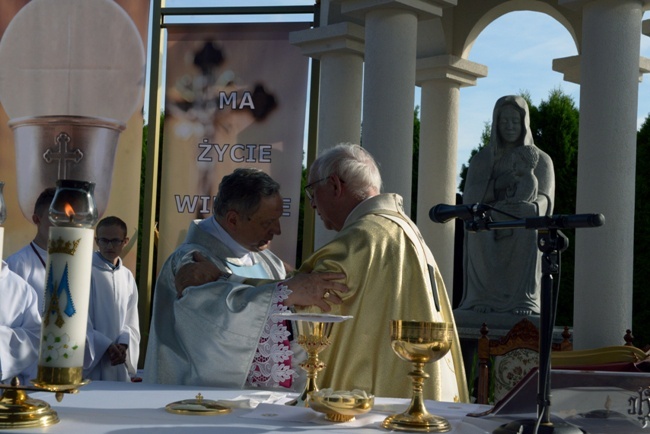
(62,154)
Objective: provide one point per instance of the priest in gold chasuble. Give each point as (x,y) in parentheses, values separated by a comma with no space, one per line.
(391,275)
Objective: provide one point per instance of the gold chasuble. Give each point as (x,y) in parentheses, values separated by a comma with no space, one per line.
(387,273)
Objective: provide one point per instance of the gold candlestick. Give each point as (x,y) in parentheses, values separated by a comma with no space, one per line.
(419,342)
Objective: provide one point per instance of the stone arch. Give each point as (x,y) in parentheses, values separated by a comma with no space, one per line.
(485,13)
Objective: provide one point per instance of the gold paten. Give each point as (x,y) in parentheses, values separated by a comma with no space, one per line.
(419,342)
(197,407)
(313,336)
(18,410)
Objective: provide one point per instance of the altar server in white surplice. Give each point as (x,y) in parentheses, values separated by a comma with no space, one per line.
(222,333)
(30,261)
(113,311)
(20,327)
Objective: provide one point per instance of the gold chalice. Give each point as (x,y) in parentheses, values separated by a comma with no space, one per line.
(313,333)
(419,342)
(313,336)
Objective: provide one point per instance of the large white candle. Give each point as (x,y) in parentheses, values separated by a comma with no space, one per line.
(67,292)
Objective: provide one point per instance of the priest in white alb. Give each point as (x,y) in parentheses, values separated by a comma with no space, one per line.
(113,307)
(221,332)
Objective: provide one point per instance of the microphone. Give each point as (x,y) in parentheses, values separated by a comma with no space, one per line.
(442,213)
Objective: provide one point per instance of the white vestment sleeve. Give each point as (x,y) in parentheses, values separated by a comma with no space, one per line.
(20,328)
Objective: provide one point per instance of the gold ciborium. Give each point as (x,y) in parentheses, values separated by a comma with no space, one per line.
(313,333)
(419,342)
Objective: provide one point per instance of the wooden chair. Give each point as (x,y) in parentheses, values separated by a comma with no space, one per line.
(511,356)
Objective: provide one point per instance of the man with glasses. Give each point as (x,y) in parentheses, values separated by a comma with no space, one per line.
(113,308)
(221,332)
(391,274)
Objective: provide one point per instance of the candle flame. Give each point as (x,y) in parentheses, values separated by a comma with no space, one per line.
(69,211)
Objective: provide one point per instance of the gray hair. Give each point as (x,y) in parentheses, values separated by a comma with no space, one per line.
(353,165)
(242,191)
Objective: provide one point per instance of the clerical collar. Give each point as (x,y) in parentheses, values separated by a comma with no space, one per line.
(212,226)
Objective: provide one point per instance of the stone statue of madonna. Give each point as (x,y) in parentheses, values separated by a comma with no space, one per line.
(502,267)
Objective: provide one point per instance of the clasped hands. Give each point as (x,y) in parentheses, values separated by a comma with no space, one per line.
(117,353)
(307,289)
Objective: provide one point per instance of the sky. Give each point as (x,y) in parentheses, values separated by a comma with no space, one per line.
(518,49)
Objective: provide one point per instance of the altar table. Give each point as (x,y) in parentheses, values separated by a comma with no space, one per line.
(130,408)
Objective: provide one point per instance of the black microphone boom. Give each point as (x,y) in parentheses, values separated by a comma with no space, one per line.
(472,215)
(565,221)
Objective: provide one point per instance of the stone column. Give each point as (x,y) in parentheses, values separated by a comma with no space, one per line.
(339,48)
(389,83)
(441,78)
(609,75)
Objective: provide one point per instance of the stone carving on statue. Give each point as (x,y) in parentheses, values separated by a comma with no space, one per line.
(502,267)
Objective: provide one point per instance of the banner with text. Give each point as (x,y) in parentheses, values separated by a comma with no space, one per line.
(235,97)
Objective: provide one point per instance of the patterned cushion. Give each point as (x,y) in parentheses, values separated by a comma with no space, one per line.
(510,368)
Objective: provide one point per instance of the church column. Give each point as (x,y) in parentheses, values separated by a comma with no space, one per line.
(389,83)
(339,48)
(441,78)
(609,75)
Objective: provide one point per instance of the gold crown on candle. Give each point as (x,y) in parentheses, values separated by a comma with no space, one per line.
(62,246)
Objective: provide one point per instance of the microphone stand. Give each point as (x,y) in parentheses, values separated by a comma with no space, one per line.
(551,242)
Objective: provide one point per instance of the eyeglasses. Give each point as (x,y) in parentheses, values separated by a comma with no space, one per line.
(309,188)
(106,241)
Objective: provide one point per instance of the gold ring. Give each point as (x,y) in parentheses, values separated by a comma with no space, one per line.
(326,295)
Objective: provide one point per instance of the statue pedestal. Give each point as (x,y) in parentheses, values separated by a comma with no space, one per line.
(469,322)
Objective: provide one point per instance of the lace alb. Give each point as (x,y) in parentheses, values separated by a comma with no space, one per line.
(271,365)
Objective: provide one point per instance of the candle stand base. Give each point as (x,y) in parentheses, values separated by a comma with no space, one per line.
(18,410)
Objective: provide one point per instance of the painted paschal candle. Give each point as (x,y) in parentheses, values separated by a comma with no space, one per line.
(67,286)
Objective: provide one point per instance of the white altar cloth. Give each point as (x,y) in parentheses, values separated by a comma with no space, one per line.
(130,408)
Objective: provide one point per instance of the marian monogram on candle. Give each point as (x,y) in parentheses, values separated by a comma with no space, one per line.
(59,295)
(66,297)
